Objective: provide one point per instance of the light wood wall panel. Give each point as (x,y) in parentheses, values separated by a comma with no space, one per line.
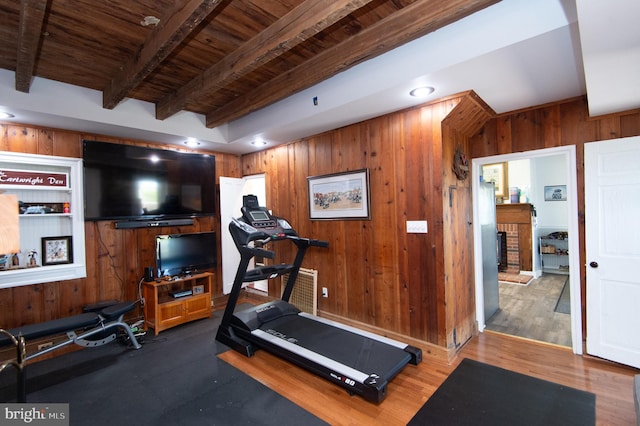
(463,122)
(115,258)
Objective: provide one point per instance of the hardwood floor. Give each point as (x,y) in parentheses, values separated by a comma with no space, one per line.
(529,311)
(612,383)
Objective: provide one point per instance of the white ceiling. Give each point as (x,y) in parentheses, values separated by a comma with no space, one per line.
(610,41)
(515,54)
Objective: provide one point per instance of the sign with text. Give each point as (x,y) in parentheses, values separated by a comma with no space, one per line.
(33,178)
(34,414)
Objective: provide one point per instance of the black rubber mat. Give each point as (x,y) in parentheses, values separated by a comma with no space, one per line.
(481,394)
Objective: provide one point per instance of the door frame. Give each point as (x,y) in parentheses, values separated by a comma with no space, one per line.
(569,153)
(250,184)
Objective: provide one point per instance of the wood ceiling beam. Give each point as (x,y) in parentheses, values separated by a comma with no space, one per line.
(160,42)
(413,21)
(303,22)
(32,14)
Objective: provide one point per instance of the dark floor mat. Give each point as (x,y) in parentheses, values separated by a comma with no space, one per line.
(481,394)
(176,378)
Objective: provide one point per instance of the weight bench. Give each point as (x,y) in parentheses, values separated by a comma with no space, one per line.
(87,325)
(89,329)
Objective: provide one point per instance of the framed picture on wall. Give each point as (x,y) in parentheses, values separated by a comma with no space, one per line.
(339,196)
(555,193)
(498,174)
(56,250)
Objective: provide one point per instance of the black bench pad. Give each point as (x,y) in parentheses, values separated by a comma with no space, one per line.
(72,323)
(33,331)
(114,311)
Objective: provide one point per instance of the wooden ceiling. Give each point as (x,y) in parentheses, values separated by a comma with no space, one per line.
(220,58)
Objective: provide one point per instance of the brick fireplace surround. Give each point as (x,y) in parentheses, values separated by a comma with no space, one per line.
(513,248)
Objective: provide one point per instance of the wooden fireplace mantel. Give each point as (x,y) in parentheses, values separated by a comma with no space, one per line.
(520,215)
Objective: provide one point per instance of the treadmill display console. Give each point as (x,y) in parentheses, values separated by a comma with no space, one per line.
(261,219)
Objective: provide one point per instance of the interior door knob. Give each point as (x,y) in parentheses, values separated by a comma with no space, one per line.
(593,264)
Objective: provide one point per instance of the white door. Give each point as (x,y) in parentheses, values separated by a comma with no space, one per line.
(231,192)
(612,222)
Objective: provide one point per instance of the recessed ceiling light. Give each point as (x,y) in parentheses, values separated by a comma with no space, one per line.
(420,92)
(191,142)
(4,114)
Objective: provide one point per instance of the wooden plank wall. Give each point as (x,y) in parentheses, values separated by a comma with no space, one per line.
(464,121)
(559,124)
(115,258)
(376,273)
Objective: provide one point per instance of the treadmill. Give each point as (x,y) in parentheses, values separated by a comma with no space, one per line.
(359,361)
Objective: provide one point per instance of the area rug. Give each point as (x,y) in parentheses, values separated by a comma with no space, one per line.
(563,305)
(518,279)
(481,394)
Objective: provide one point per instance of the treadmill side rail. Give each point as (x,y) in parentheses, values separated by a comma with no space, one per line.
(371,387)
(416,354)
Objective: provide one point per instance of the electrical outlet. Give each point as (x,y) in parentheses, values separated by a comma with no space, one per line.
(325,292)
(45,345)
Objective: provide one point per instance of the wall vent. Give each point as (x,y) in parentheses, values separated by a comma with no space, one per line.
(305,293)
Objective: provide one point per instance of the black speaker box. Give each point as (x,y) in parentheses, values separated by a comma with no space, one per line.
(148,274)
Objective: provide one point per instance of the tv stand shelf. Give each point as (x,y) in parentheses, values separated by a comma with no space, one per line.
(163,311)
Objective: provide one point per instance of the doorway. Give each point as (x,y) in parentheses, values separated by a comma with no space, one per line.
(568,156)
(231,192)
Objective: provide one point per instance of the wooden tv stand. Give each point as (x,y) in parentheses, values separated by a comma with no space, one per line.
(163,310)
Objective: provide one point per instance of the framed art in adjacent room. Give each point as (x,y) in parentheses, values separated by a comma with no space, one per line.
(498,174)
(339,196)
(56,250)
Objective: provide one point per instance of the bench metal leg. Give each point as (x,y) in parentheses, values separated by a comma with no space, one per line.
(19,363)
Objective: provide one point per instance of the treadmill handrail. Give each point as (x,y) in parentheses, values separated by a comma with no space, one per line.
(258,252)
(243,234)
(307,241)
(295,239)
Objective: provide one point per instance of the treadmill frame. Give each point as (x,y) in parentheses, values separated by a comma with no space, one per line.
(243,338)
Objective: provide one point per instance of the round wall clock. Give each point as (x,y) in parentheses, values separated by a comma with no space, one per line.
(460,165)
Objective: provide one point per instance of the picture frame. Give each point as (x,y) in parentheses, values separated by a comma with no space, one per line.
(57,250)
(498,174)
(555,193)
(198,289)
(340,196)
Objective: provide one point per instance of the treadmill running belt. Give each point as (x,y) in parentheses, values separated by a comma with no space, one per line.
(351,349)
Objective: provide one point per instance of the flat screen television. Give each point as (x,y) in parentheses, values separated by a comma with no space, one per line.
(181,254)
(133,182)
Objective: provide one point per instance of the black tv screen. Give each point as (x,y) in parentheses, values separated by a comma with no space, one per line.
(133,182)
(179,254)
